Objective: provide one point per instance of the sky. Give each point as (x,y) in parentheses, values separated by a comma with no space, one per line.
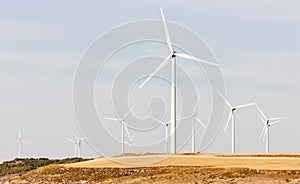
(255,42)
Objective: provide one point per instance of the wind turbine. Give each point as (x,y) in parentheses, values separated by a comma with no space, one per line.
(195,119)
(231,116)
(124,126)
(172,58)
(166,124)
(267,122)
(20,141)
(77,144)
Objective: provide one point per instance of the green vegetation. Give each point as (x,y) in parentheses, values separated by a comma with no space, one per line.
(21,165)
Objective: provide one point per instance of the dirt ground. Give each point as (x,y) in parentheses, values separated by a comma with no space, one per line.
(257,161)
(183,168)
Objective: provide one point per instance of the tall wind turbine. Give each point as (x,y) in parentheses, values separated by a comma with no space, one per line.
(20,141)
(195,119)
(267,122)
(172,58)
(124,126)
(77,144)
(231,116)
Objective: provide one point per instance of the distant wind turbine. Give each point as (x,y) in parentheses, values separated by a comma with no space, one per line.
(166,124)
(231,116)
(267,122)
(195,119)
(124,126)
(171,58)
(77,144)
(20,141)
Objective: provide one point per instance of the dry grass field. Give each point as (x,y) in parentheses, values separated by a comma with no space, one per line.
(179,168)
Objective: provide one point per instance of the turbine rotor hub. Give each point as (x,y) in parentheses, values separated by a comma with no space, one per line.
(174,54)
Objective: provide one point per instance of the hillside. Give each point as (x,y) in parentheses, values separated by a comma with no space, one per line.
(22,165)
(180,168)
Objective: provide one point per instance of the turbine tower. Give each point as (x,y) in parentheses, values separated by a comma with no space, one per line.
(77,144)
(172,58)
(267,122)
(20,141)
(232,118)
(124,126)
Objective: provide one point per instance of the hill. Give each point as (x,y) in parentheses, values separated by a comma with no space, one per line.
(22,165)
(179,168)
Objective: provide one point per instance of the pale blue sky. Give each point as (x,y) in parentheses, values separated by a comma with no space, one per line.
(255,42)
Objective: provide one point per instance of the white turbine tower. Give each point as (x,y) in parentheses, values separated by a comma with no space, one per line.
(172,58)
(267,122)
(195,119)
(20,141)
(124,126)
(231,116)
(77,144)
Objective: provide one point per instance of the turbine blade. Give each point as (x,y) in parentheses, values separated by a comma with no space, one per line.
(127,131)
(168,122)
(164,63)
(260,111)
(14,143)
(184,117)
(196,105)
(245,105)
(75,136)
(23,141)
(186,56)
(83,138)
(265,133)
(128,112)
(228,120)
(261,118)
(280,118)
(199,121)
(131,139)
(168,39)
(70,140)
(159,121)
(275,122)
(113,119)
(226,101)
(263,130)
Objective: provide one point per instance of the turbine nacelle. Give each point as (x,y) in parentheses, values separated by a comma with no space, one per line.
(174,54)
